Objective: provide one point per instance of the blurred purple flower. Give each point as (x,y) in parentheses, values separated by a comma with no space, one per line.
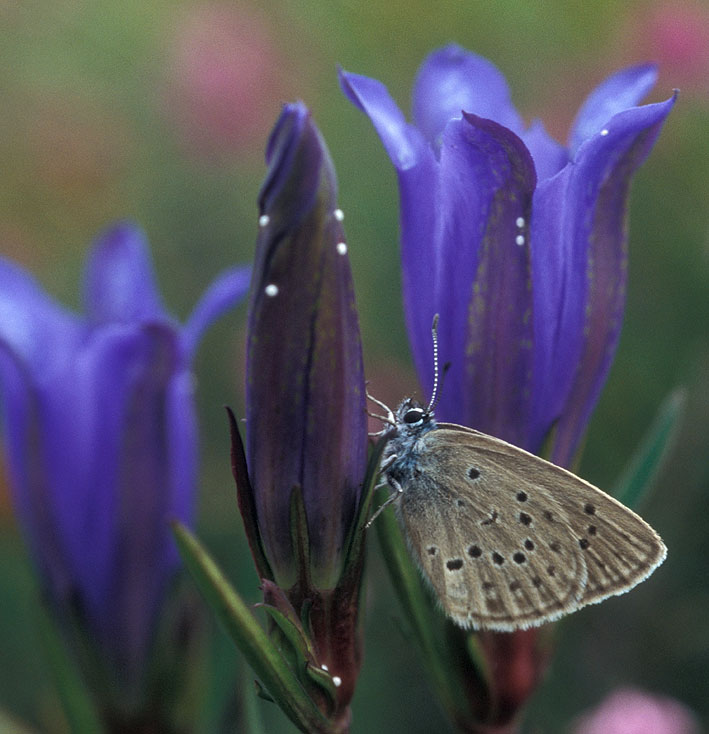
(101,437)
(518,242)
(306,420)
(629,711)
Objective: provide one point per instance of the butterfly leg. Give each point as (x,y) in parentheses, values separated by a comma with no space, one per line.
(389,418)
(398,491)
(376,434)
(387,463)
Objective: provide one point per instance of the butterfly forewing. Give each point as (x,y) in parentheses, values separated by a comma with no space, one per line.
(508,540)
(620,548)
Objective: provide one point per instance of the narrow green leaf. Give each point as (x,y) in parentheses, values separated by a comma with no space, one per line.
(645,464)
(250,707)
(425,620)
(236,617)
(76,701)
(480,660)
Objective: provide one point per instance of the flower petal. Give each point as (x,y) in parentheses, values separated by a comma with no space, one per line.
(129,492)
(40,334)
(618,92)
(31,496)
(480,257)
(548,155)
(290,199)
(119,283)
(306,420)
(107,481)
(579,251)
(146,496)
(451,81)
(182,446)
(403,142)
(630,711)
(38,340)
(225,291)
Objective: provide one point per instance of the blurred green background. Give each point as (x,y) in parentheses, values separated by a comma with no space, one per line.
(160,111)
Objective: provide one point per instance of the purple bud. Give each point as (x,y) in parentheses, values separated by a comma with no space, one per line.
(306,420)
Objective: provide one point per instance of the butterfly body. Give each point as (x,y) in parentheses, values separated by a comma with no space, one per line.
(505,539)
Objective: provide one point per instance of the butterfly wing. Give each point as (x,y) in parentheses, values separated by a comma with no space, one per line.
(508,540)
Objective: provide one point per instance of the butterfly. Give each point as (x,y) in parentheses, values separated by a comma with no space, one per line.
(505,539)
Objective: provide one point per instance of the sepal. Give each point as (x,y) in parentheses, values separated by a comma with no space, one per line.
(264,657)
(245,498)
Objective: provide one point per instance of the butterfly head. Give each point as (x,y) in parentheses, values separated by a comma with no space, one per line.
(413,419)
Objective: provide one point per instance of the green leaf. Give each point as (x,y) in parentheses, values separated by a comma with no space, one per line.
(248,698)
(236,617)
(427,623)
(480,660)
(645,464)
(76,701)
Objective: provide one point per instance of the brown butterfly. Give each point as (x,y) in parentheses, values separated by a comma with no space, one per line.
(505,539)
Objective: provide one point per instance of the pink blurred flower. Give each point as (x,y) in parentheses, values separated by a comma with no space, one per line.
(675,35)
(629,711)
(227,79)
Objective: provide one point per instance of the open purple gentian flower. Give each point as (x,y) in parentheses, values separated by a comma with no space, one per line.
(518,242)
(101,435)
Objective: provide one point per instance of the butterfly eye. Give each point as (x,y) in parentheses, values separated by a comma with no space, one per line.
(415,415)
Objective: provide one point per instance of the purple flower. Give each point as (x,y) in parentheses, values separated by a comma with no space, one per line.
(628,711)
(306,420)
(301,497)
(102,439)
(518,242)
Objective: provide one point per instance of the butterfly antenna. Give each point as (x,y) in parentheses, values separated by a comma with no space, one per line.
(434,394)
